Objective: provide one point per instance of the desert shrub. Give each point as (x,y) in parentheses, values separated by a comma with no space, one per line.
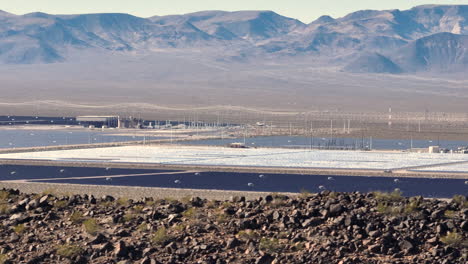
(19,229)
(386,209)
(129,217)
(453,239)
(190,213)
(150,203)
(69,251)
(220,216)
(160,237)
(61,204)
(180,227)
(390,197)
(211,204)
(50,191)
(398,210)
(143,227)
(185,199)
(450,214)
(91,226)
(278,203)
(411,207)
(298,246)
(460,200)
(278,196)
(138,209)
(284,234)
(4,209)
(122,201)
(270,245)
(4,195)
(305,193)
(247,235)
(3,258)
(77,217)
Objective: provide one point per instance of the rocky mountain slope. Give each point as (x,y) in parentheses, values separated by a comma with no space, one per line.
(312,228)
(425,38)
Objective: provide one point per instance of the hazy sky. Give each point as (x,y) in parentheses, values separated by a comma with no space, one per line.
(305,10)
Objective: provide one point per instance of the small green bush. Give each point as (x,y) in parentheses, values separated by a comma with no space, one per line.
(4,195)
(19,229)
(386,209)
(122,201)
(143,227)
(190,213)
(305,193)
(450,214)
(4,209)
(247,235)
(61,204)
(453,239)
(69,251)
(138,209)
(270,245)
(3,258)
(129,217)
(411,207)
(77,217)
(91,226)
(160,237)
(395,196)
(460,200)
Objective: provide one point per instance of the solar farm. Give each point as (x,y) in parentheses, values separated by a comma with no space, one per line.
(255,157)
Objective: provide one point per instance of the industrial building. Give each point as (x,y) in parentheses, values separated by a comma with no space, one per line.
(98,121)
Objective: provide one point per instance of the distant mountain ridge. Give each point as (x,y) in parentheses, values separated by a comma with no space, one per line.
(425,38)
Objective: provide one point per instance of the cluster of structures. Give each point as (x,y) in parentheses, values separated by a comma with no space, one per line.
(437,149)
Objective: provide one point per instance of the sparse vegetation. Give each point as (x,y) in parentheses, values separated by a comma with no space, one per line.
(91,226)
(221,217)
(190,213)
(460,200)
(292,233)
(3,258)
(69,251)
(49,191)
(386,209)
(4,195)
(395,196)
(398,210)
(180,227)
(19,229)
(138,209)
(305,193)
(122,201)
(247,235)
(278,196)
(143,227)
(60,204)
(77,217)
(129,217)
(160,237)
(270,245)
(4,209)
(186,199)
(450,214)
(454,239)
(411,207)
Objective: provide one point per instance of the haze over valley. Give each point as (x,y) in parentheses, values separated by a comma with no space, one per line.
(412,60)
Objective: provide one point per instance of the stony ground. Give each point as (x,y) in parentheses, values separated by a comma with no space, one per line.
(310,228)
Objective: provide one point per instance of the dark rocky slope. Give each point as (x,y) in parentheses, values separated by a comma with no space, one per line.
(312,228)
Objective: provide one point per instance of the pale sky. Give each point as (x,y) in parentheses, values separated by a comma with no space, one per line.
(304,10)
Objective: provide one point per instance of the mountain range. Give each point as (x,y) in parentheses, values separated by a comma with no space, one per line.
(430,38)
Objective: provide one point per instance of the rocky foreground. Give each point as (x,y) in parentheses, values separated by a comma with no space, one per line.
(311,228)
